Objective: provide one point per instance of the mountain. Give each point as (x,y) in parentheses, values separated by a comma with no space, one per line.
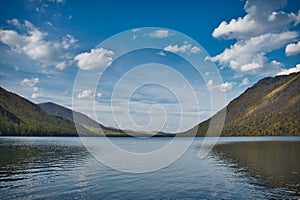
(91,124)
(19,116)
(59,110)
(270,107)
(80,118)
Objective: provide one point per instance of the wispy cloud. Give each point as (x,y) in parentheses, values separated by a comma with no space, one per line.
(30,82)
(160,34)
(209,83)
(84,94)
(244,82)
(184,48)
(57,1)
(161,53)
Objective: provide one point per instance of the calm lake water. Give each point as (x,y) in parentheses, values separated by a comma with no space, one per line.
(237,168)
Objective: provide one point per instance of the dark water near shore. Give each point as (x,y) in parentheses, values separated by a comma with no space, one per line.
(238,167)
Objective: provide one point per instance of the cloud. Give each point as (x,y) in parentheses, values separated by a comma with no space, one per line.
(292,49)
(68,41)
(35,45)
(14,22)
(84,94)
(57,1)
(262,17)
(160,34)
(35,89)
(133,37)
(224,87)
(195,49)
(36,95)
(17,68)
(94,59)
(30,82)
(264,28)
(244,82)
(161,53)
(185,48)
(290,70)
(135,30)
(249,56)
(209,83)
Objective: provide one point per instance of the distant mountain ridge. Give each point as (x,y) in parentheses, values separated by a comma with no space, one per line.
(59,110)
(269,107)
(80,118)
(91,124)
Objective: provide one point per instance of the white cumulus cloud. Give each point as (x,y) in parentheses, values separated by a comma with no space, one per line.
(96,58)
(262,17)
(249,56)
(290,70)
(264,28)
(35,45)
(84,94)
(292,49)
(224,87)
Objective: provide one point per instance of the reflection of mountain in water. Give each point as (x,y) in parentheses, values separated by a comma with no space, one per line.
(266,163)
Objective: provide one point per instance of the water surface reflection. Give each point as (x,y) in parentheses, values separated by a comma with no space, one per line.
(271,164)
(237,168)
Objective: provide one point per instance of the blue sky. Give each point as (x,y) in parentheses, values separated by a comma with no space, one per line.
(45,43)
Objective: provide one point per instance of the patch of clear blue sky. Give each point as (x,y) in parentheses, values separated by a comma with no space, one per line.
(94,21)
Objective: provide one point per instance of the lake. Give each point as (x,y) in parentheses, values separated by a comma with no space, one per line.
(237,167)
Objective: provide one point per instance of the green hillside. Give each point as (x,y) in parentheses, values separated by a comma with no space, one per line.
(21,117)
(270,107)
